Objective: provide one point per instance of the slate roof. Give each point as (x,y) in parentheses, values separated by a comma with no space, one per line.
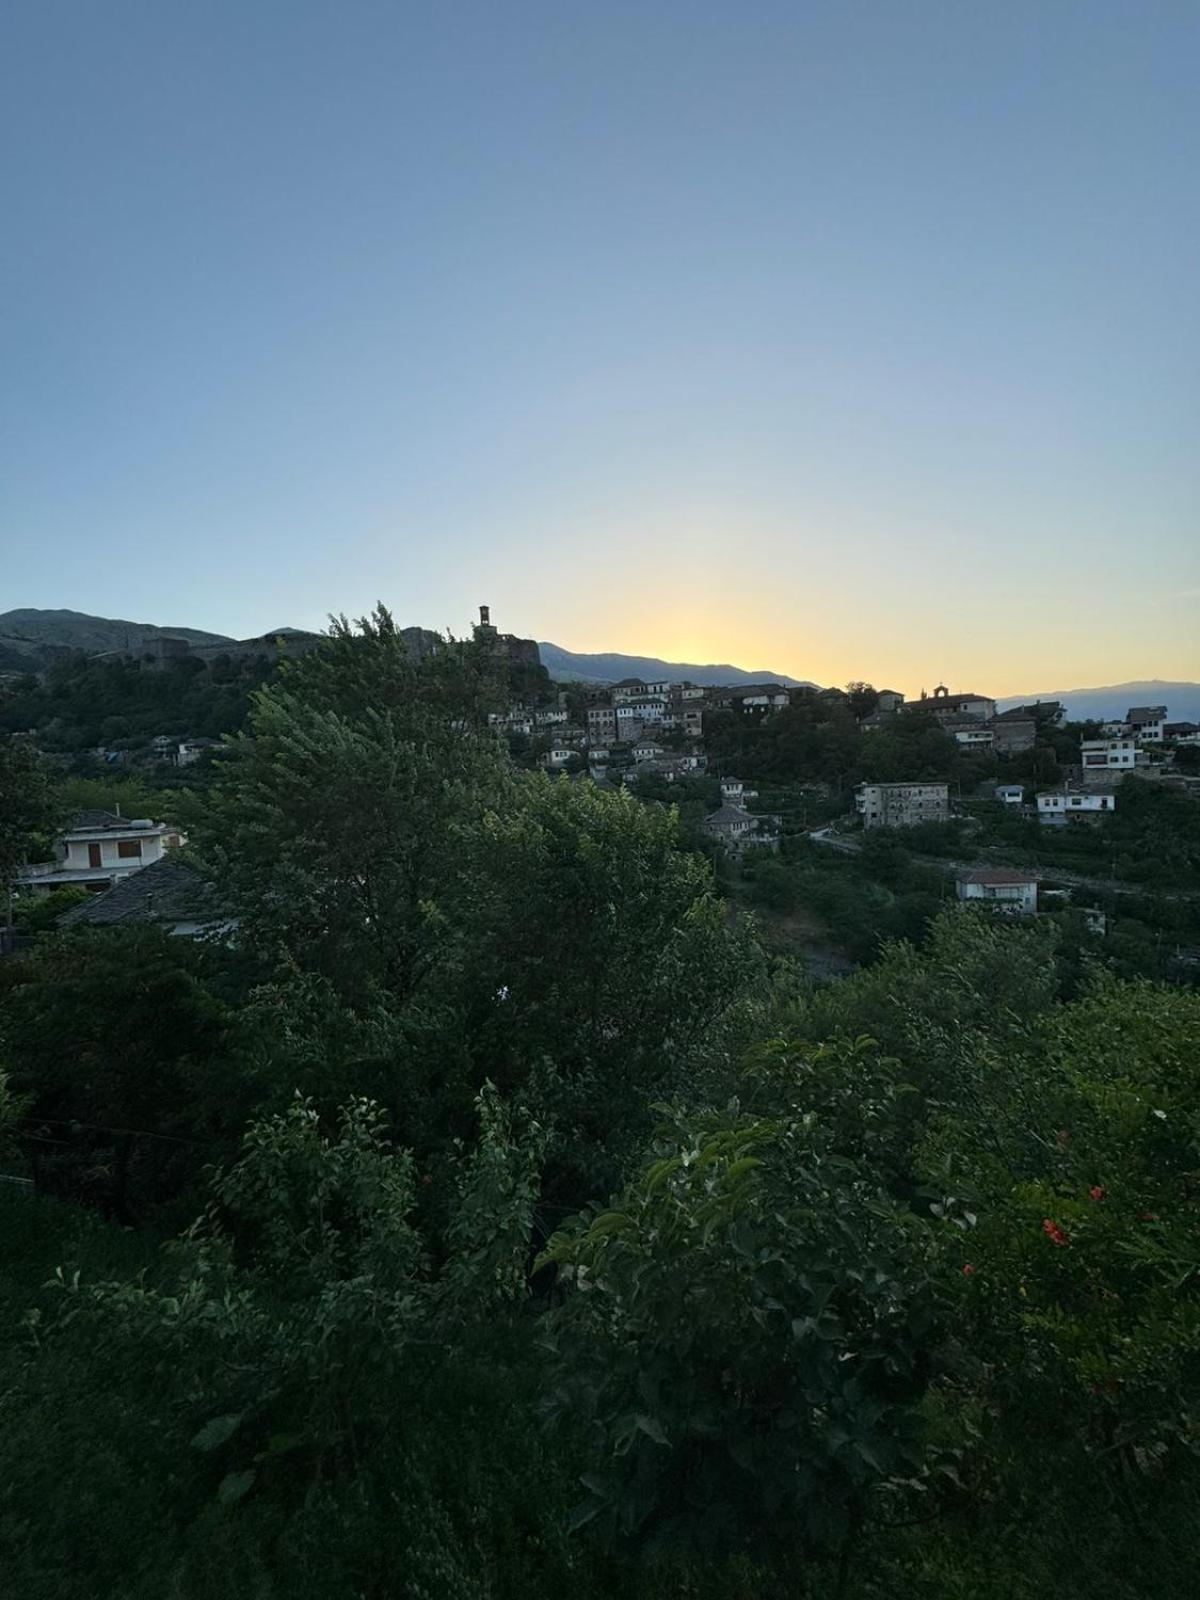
(1138,714)
(727,816)
(168,890)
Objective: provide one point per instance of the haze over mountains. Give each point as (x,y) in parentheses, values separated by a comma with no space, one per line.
(30,639)
(1182,700)
(572,666)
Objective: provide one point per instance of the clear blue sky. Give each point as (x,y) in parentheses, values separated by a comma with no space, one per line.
(845,338)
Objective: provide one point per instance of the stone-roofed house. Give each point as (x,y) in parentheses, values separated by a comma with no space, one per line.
(737,829)
(943,703)
(170,894)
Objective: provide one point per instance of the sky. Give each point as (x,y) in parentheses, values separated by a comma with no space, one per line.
(847,339)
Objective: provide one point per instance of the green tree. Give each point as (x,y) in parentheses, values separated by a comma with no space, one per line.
(123,1055)
(29,810)
(745,1337)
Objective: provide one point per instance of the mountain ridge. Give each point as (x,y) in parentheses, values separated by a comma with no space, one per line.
(1110,701)
(611,666)
(33,637)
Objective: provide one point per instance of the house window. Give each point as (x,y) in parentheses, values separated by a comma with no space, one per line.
(129,849)
(93,855)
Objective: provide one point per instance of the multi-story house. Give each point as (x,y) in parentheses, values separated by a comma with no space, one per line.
(1057,806)
(1109,755)
(902,805)
(637,689)
(631,712)
(1145,723)
(971,733)
(601,723)
(99,849)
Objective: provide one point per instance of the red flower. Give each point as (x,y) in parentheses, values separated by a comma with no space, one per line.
(968,1270)
(1053,1232)
(1097,1193)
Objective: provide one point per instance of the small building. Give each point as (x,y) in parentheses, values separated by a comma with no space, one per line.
(902,805)
(1009,794)
(97,850)
(1146,723)
(192,750)
(734,791)
(557,756)
(647,749)
(1182,732)
(737,829)
(1056,806)
(973,735)
(692,721)
(1013,892)
(888,701)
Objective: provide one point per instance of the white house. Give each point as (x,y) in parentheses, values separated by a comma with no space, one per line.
(1009,794)
(557,756)
(980,738)
(1014,892)
(641,710)
(1145,723)
(1057,806)
(1109,755)
(647,749)
(99,849)
(734,791)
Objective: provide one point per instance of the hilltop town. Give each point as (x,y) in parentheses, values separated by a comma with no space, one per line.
(757,770)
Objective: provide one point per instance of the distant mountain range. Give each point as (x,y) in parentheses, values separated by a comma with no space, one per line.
(569,666)
(1182,700)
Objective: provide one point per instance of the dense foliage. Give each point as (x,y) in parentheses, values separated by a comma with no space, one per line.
(485,1215)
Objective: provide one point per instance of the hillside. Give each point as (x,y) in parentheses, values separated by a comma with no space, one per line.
(1182,700)
(573,666)
(32,637)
